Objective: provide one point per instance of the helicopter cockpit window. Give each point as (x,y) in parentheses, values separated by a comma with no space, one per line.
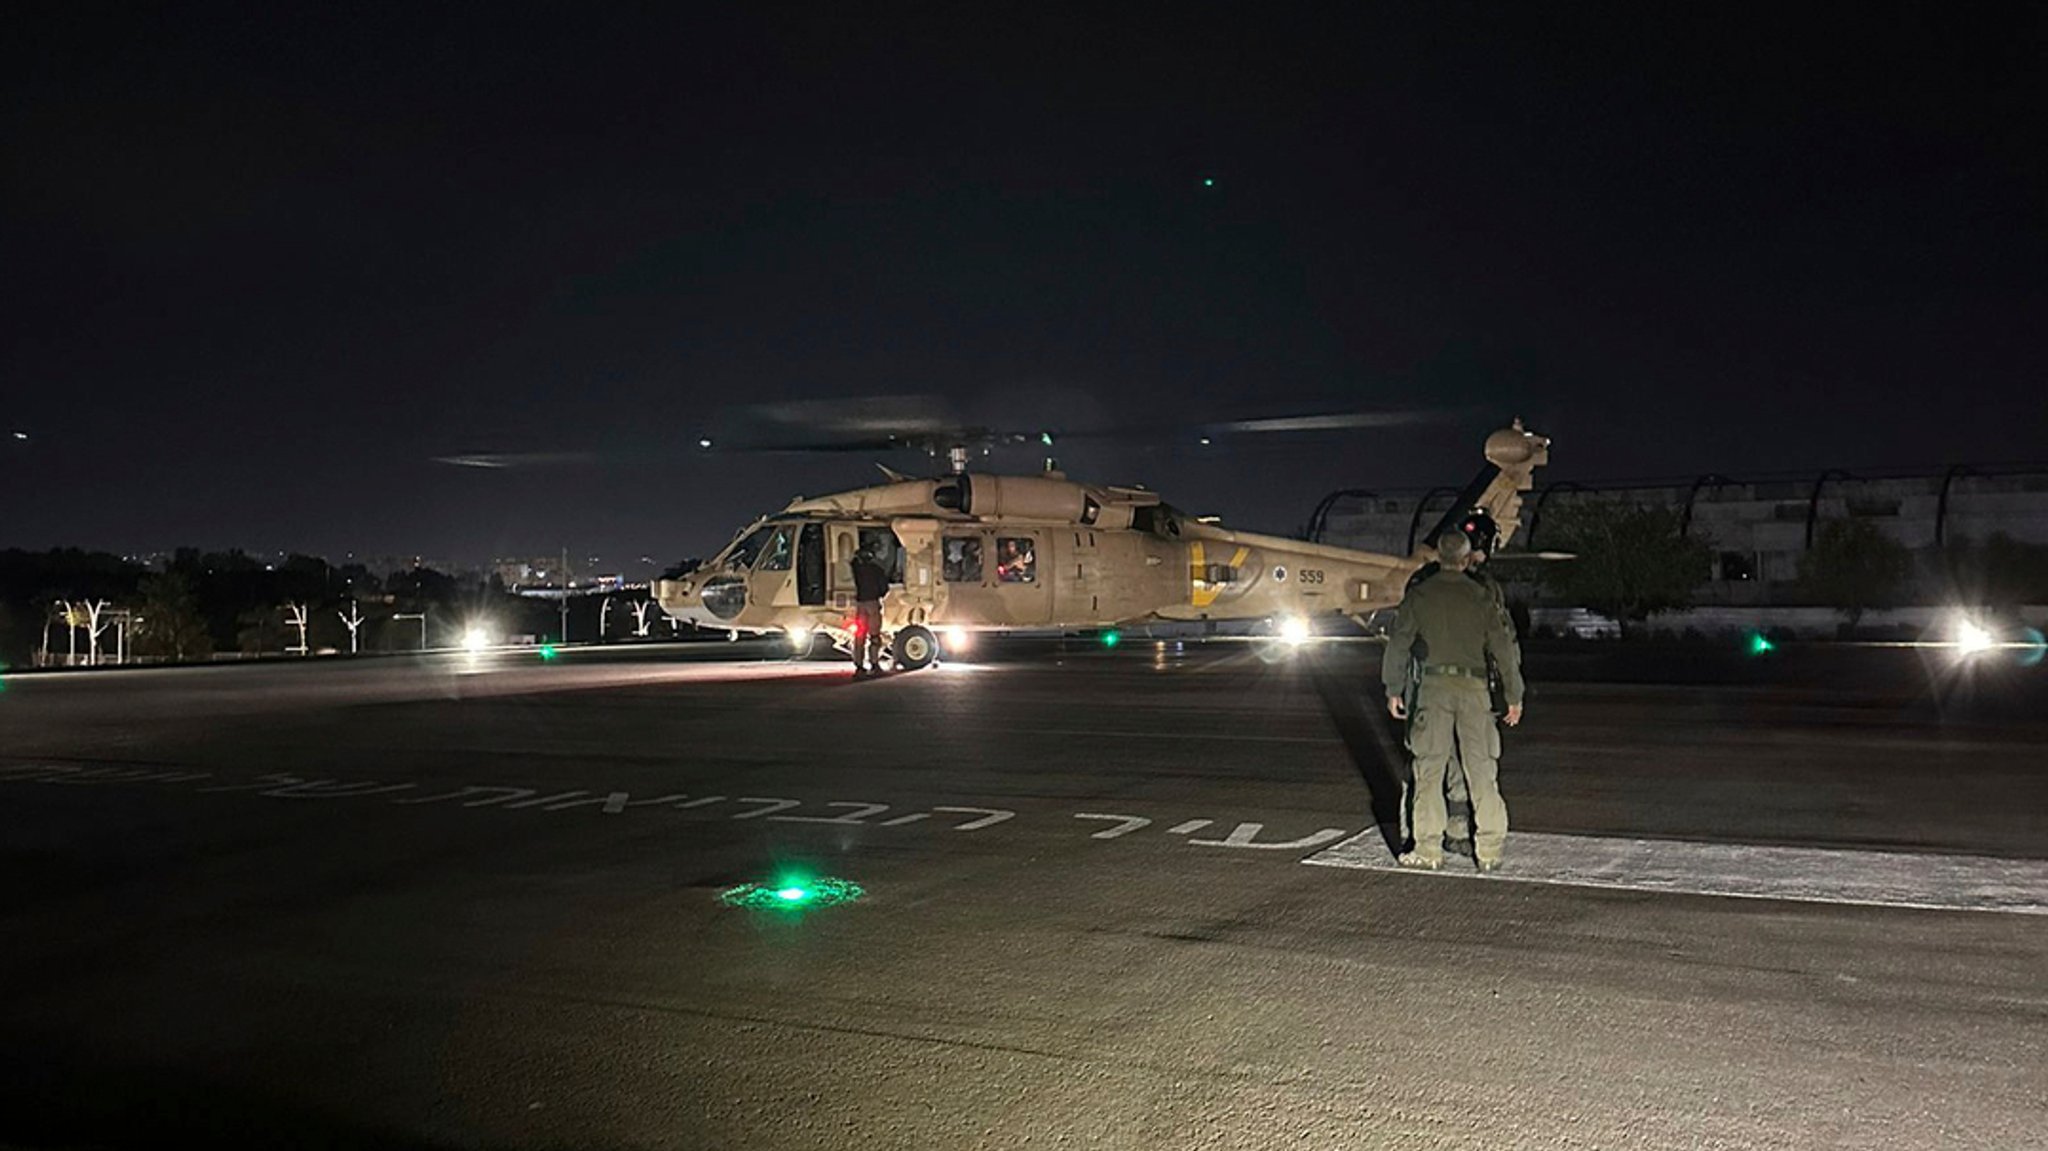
(742,554)
(1016,560)
(963,559)
(1090,510)
(781,550)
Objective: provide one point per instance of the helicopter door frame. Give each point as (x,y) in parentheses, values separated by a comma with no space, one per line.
(772,583)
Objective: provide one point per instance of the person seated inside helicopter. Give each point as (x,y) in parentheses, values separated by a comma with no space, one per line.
(1016,562)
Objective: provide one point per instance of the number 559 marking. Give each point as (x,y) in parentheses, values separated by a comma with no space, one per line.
(1311,575)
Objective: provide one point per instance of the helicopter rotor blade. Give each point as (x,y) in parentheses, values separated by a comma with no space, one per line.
(502,460)
(933,426)
(1342,421)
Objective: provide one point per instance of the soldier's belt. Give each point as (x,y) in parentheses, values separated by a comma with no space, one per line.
(1452,669)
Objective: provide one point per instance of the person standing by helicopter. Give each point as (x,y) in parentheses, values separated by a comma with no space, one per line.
(1459,628)
(1483,532)
(870,584)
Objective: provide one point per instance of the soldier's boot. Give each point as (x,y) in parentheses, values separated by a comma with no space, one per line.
(1488,864)
(1416,861)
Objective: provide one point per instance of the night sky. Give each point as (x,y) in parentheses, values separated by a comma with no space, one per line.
(261,269)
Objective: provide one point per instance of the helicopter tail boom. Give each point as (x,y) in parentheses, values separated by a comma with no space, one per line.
(1512,456)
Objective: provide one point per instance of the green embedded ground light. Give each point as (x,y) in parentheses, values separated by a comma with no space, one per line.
(792,894)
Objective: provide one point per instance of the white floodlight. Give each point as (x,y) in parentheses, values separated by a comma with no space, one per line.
(1972,638)
(1294,631)
(475,640)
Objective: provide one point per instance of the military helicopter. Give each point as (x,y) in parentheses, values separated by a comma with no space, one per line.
(976,553)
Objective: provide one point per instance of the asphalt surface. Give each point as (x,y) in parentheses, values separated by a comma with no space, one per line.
(477,903)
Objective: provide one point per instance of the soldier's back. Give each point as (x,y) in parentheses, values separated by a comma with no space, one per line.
(1452,613)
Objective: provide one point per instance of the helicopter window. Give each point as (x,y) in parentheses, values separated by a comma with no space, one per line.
(781,551)
(1090,510)
(1217,574)
(744,552)
(1016,560)
(963,559)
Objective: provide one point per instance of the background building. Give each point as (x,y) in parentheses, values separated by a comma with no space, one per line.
(1758,529)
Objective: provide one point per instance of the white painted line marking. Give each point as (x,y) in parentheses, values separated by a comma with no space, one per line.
(861,812)
(769,806)
(1247,835)
(1744,871)
(1125,823)
(1190,827)
(989,816)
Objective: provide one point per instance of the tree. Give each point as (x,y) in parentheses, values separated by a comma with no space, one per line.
(295,616)
(1853,567)
(260,630)
(1631,560)
(2001,570)
(169,625)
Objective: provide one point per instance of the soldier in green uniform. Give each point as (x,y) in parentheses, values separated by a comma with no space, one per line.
(1480,530)
(1456,626)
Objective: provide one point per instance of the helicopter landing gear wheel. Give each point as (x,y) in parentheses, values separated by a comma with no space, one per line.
(915,648)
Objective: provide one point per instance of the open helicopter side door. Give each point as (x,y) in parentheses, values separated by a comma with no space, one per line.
(920,572)
(843,540)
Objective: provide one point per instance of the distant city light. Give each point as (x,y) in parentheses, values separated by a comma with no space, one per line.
(548,652)
(1760,644)
(21,435)
(704,443)
(1208,181)
(1111,638)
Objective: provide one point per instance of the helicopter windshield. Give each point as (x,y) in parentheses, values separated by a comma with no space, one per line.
(741,555)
